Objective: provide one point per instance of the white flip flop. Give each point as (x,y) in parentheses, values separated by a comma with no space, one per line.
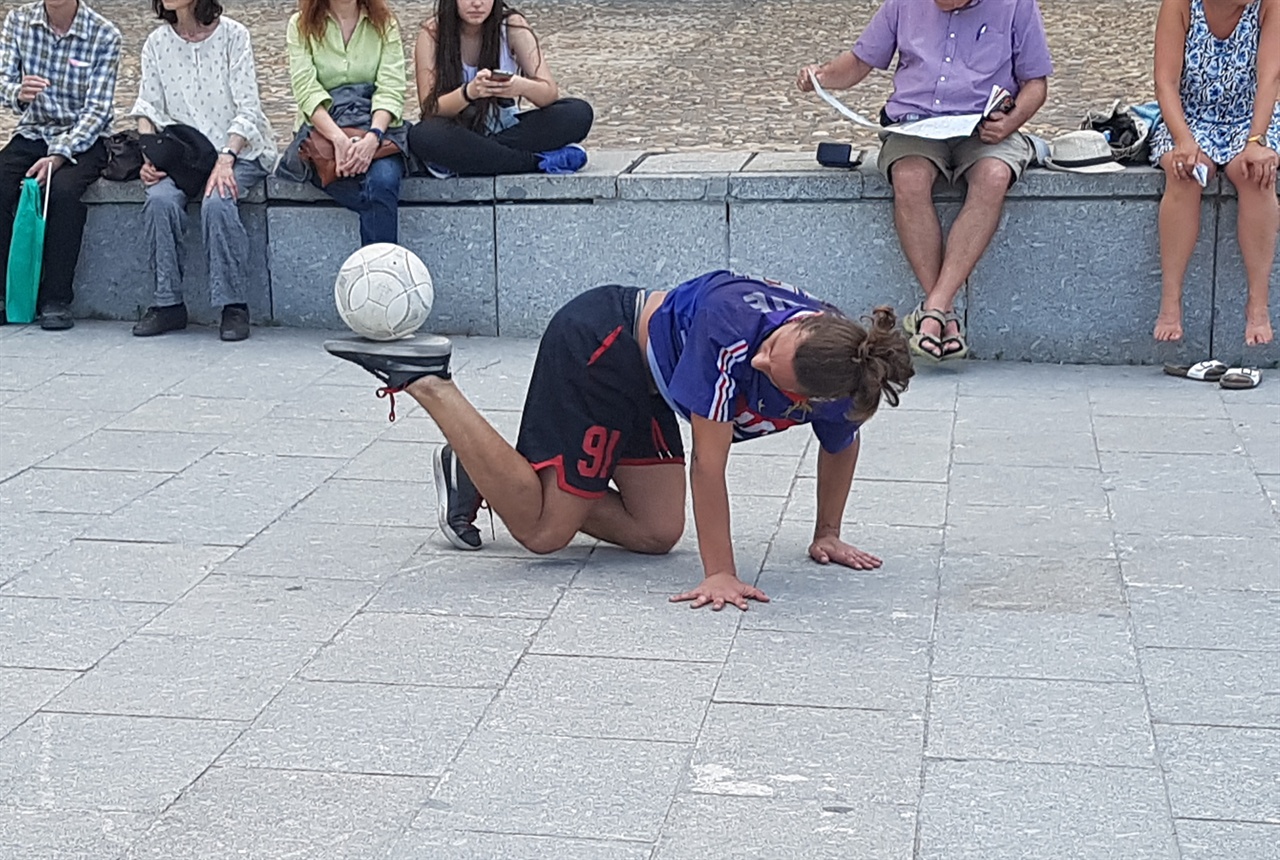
(1240,378)
(1204,371)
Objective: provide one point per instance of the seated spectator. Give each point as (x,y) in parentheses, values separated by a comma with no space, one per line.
(346,57)
(950,55)
(1217,94)
(58,65)
(472,61)
(198,71)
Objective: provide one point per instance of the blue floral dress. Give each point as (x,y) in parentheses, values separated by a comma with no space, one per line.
(1219,84)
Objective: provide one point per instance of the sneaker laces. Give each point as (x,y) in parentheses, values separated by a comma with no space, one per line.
(389,392)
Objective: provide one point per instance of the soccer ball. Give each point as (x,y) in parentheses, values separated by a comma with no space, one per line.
(384,292)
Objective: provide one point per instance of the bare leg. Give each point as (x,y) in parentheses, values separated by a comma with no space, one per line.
(540,515)
(1256,228)
(916,218)
(1179,228)
(988,181)
(647,515)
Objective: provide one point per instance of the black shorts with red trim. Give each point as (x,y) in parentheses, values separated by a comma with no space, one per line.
(591,406)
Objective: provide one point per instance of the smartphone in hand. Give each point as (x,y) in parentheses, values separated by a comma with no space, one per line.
(500,76)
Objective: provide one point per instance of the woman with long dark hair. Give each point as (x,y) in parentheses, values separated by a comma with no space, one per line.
(198,71)
(346,58)
(473,61)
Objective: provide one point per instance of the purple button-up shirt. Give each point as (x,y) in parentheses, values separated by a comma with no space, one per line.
(949,61)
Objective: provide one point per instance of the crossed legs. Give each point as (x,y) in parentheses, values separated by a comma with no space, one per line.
(943,265)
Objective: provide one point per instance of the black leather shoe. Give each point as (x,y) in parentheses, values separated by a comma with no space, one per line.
(56,317)
(235,323)
(160,320)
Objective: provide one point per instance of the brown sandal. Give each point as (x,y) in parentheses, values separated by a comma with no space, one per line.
(955,345)
(924,344)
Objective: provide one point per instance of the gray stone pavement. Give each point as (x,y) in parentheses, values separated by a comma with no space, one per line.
(228,628)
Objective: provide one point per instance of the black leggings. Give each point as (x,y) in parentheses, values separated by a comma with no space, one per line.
(443,141)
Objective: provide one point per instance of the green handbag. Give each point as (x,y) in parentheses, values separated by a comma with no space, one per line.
(26,254)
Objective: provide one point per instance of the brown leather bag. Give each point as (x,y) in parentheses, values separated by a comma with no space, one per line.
(317,150)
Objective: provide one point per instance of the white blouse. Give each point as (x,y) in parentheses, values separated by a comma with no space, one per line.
(209,85)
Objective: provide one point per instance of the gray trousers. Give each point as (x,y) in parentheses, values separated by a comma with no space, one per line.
(226,244)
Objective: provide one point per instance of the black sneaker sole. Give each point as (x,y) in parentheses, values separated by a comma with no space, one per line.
(397,363)
(442,503)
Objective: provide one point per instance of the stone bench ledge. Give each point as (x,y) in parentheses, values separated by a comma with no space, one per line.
(104,191)
(714,177)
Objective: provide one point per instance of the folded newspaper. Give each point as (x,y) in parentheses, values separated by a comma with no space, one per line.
(932,128)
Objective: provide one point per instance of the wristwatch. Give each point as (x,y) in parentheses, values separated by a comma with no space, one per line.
(1256,138)
(378,133)
(226,150)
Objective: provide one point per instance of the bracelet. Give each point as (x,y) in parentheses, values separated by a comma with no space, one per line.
(466,95)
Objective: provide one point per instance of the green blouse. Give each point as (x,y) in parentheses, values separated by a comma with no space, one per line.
(315,68)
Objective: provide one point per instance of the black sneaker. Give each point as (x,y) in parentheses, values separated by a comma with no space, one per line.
(397,363)
(158,320)
(56,317)
(235,323)
(457,501)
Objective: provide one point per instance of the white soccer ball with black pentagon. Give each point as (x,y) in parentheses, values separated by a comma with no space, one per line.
(384,292)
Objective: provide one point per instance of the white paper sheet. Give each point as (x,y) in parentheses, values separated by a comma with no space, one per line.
(931,128)
(938,127)
(841,106)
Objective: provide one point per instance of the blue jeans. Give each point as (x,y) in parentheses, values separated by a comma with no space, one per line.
(375,197)
(226,244)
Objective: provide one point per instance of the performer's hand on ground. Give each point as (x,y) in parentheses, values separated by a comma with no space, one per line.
(828,549)
(719,589)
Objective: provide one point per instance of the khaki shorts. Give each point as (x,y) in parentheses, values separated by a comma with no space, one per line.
(955,156)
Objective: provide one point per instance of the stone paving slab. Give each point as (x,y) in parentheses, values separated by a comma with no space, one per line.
(630,699)
(1212,687)
(197,678)
(229,627)
(558,786)
(416,649)
(753,829)
(1202,840)
(106,570)
(807,754)
(351,727)
(37,834)
(66,633)
(107,763)
(277,813)
(1221,773)
(1031,719)
(976,810)
(475,845)
(24,691)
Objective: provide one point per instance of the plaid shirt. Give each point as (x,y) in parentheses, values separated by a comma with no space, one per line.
(75,109)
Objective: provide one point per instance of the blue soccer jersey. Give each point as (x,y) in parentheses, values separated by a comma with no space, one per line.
(701,340)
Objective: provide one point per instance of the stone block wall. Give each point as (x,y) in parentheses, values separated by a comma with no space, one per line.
(1073,274)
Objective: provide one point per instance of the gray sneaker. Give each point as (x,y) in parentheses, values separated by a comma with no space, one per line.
(457,501)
